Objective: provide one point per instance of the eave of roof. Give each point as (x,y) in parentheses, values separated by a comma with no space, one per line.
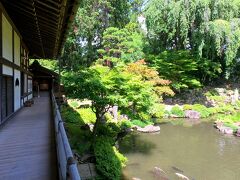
(43,24)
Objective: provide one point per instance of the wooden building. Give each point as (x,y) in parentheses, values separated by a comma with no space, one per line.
(28,29)
(43,78)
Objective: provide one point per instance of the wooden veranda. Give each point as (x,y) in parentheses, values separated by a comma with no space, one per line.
(27,143)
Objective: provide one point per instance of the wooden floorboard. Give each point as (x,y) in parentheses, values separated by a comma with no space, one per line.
(27,144)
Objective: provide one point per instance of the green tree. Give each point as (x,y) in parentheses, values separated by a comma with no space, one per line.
(209,28)
(85,37)
(121,45)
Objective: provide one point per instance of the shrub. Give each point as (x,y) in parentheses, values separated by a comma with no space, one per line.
(144,116)
(221,109)
(108,130)
(70,115)
(158,110)
(74,104)
(203,110)
(87,115)
(176,110)
(212,92)
(109,161)
(218,99)
(141,123)
(108,117)
(125,124)
(187,107)
(232,126)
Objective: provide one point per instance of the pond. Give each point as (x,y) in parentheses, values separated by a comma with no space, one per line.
(199,152)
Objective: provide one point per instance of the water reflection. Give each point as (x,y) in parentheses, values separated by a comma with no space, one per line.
(199,152)
(134,144)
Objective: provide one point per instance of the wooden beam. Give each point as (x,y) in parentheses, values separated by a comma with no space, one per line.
(43,8)
(30,15)
(5,62)
(48,6)
(37,24)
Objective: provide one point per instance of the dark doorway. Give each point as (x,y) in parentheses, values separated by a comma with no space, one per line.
(7,97)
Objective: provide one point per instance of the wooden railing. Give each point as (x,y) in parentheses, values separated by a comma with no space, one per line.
(67,166)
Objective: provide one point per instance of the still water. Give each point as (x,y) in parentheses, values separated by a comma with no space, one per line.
(199,152)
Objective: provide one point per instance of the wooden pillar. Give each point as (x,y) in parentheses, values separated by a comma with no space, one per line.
(0,65)
(13,78)
(59,82)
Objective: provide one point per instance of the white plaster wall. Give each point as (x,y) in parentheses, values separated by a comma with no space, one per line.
(7,70)
(7,39)
(17,90)
(29,85)
(25,83)
(30,96)
(16,49)
(25,99)
(21,102)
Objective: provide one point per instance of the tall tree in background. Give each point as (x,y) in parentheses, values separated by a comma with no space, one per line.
(206,27)
(93,17)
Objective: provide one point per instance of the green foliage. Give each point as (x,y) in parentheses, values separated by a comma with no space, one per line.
(180,67)
(69,115)
(158,110)
(211,93)
(92,19)
(206,27)
(225,108)
(218,99)
(187,107)
(79,139)
(125,124)
(87,115)
(121,45)
(203,110)
(176,110)
(229,120)
(47,63)
(109,161)
(140,123)
(73,104)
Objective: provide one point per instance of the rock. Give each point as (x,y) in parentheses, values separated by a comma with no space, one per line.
(226,130)
(123,117)
(218,124)
(238,132)
(135,178)
(158,170)
(158,173)
(148,129)
(192,114)
(182,176)
(237,123)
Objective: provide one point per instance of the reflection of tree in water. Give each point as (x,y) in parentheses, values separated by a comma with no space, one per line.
(133,143)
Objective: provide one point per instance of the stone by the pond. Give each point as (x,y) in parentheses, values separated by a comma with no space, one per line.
(158,173)
(135,178)
(192,114)
(148,129)
(223,129)
(237,124)
(226,130)
(238,132)
(182,176)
